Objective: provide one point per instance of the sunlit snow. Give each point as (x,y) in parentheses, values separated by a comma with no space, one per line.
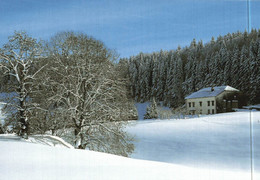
(206,148)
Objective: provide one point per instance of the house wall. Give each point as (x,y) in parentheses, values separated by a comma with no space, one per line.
(200,105)
(228,100)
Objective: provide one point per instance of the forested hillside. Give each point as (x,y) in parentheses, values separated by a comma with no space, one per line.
(233,59)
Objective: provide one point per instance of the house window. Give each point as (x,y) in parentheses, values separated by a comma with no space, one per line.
(213,112)
(200,103)
(193,104)
(212,102)
(201,111)
(208,103)
(189,104)
(208,111)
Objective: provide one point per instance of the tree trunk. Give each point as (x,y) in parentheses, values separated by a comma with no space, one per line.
(24,125)
(79,138)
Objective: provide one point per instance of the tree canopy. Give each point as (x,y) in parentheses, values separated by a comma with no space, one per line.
(169,76)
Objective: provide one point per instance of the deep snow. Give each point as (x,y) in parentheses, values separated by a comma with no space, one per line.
(206,148)
(24,160)
(219,141)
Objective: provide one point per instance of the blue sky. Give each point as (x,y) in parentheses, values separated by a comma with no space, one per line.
(129,26)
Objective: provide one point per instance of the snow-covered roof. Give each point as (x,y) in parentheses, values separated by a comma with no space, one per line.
(207,92)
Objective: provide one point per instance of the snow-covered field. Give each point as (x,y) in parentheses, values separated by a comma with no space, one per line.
(207,148)
(23,160)
(219,141)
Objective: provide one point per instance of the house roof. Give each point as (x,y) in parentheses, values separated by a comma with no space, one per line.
(206,92)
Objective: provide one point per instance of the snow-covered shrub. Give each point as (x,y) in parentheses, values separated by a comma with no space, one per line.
(152,111)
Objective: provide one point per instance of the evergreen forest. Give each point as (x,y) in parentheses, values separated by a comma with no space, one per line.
(169,76)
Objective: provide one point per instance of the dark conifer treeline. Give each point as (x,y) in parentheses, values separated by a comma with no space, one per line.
(233,59)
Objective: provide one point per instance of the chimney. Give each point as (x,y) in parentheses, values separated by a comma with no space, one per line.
(212,89)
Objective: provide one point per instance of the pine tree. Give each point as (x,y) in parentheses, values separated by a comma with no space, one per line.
(243,72)
(254,63)
(221,67)
(169,89)
(155,75)
(178,80)
(235,67)
(151,111)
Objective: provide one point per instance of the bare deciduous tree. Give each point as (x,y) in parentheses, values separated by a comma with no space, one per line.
(89,93)
(17,59)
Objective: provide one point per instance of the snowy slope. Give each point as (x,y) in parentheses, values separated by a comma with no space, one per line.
(219,141)
(49,140)
(141,109)
(207,148)
(23,160)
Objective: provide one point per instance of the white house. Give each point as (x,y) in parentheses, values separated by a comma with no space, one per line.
(213,100)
